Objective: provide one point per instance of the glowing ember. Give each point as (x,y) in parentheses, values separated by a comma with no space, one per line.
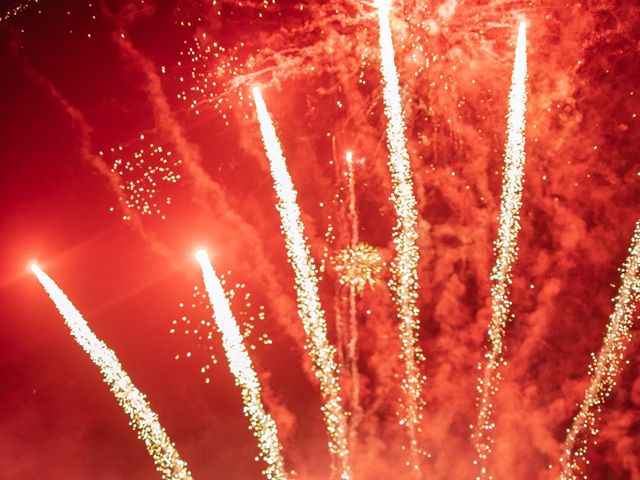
(145,176)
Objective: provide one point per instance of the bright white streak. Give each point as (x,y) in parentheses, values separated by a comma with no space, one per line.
(605,366)
(309,308)
(404,282)
(263,426)
(143,419)
(506,253)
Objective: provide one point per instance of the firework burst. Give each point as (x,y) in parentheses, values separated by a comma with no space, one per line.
(358,266)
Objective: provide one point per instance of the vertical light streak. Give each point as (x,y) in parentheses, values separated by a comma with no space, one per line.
(605,367)
(351,186)
(143,419)
(263,426)
(309,308)
(338,307)
(404,282)
(506,253)
(352,344)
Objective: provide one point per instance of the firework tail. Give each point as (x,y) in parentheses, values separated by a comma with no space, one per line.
(310,310)
(262,424)
(144,420)
(605,367)
(506,253)
(404,281)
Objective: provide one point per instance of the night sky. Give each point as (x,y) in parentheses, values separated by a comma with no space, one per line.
(88,88)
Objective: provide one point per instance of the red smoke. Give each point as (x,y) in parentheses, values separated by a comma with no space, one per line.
(69,95)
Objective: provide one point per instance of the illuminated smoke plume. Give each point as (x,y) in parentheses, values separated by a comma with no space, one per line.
(404,282)
(506,253)
(262,424)
(143,420)
(605,367)
(309,308)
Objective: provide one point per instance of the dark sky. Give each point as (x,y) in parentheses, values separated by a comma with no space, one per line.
(79,78)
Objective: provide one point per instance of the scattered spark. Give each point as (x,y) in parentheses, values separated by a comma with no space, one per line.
(195,320)
(209,65)
(309,307)
(145,176)
(17,10)
(404,282)
(605,367)
(263,426)
(143,419)
(506,253)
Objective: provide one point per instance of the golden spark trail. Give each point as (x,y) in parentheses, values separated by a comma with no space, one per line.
(506,253)
(143,419)
(404,282)
(309,308)
(263,426)
(605,367)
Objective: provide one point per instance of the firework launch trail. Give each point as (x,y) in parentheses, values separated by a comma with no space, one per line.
(605,367)
(404,282)
(262,424)
(143,419)
(506,253)
(310,310)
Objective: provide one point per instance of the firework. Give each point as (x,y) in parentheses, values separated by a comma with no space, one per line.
(404,282)
(143,419)
(506,253)
(605,366)
(263,426)
(306,280)
(358,266)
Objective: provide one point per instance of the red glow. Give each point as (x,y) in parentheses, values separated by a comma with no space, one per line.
(129,137)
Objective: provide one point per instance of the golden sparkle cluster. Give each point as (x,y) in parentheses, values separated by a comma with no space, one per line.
(358,266)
